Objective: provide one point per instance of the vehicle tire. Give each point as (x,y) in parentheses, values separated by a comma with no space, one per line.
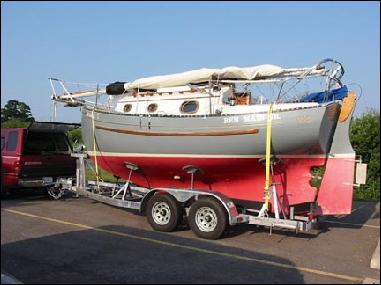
(4,192)
(208,218)
(163,212)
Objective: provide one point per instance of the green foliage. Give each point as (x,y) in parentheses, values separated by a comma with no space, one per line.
(365,139)
(15,109)
(15,123)
(75,136)
(104,175)
(317,176)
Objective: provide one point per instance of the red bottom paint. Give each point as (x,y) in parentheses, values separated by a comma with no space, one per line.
(244,178)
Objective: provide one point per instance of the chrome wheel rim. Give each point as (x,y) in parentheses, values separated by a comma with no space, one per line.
(206,219)
(161,213)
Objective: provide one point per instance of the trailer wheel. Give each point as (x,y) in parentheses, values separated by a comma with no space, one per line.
(208,218)
(163,212)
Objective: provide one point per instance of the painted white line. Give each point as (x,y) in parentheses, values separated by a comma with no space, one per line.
(194,248)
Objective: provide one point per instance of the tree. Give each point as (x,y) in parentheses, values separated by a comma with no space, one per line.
(15,109)
(365,139)
(15,123)
(75,136)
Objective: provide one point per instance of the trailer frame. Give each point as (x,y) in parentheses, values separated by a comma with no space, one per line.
(115,194)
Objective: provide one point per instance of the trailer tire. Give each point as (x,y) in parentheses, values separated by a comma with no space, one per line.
(163,212)
(208,218)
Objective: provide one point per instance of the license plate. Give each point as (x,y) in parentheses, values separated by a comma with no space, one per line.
(47,180)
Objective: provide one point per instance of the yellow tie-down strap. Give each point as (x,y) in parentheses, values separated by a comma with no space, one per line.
(268,155)
(95,153)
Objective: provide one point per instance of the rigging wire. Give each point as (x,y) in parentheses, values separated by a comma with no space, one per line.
(358,85)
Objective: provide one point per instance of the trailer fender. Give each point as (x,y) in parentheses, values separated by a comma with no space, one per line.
(184,195)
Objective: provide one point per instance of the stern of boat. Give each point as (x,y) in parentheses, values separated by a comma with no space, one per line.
(335,193)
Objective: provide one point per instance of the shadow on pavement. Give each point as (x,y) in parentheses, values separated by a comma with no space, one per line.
(89,256)
(362,213)
(24,197)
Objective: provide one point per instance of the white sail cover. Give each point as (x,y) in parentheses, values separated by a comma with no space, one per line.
(266,71)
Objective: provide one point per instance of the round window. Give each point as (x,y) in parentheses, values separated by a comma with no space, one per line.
(152,108)
(127,108)
(189,107)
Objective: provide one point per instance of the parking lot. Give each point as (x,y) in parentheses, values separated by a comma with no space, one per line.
(77,240)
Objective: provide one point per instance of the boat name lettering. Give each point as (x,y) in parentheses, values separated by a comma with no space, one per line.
(231,120)
(259,117)
(250,118)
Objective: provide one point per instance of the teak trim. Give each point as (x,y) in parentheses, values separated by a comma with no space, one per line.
(170,134)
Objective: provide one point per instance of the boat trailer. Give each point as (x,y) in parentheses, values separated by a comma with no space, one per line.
(209,213)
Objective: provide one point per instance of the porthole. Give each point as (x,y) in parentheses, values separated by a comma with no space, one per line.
(127,108)
(152,108)
(189,107)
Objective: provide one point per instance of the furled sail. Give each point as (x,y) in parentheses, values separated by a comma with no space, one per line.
(259,72)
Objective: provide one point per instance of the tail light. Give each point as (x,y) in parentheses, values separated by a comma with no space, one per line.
(312,217)
(16,166)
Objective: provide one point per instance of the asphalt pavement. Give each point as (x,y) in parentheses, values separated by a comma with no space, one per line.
(77,240)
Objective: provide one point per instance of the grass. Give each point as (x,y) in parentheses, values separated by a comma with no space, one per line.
(104,175)
(367,193)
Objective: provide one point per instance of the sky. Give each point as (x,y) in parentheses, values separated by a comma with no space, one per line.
(104,42)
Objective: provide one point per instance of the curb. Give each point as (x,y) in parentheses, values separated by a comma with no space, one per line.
(371,281)
(375,261)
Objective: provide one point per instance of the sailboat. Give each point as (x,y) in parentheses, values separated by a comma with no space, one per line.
(217,121)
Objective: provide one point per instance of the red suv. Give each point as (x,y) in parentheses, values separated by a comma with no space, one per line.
(35,156)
